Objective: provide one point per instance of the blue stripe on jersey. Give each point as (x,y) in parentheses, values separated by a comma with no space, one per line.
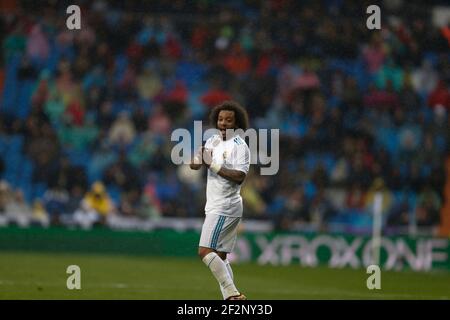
(237,141)
(217,231)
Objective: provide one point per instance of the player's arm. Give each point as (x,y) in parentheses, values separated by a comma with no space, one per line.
(233,175)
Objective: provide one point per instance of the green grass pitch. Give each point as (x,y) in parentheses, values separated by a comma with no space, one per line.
(43,276)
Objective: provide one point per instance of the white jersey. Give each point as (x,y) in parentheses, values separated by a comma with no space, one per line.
(223,195)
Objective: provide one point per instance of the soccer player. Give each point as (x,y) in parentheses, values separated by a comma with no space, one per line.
(227,157)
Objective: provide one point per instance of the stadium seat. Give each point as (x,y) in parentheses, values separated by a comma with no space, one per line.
(38,190)
(190,73)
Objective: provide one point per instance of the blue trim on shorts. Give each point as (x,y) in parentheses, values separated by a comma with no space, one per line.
(220,230)
(217,231)
(214,233)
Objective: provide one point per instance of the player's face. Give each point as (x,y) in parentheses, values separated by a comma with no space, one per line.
(226,120)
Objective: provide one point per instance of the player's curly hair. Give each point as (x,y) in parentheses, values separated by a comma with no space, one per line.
(240,114)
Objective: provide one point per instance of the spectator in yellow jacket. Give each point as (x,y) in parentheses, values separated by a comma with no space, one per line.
(95,207)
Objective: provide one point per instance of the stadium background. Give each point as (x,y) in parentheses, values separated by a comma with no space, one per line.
(86,117)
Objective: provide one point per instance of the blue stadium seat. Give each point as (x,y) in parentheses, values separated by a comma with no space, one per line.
(340,217)
(114,193)
(398,195)
(441,143)
(12,65)
(432,57)
(310,161)
(360,220)
(329,160)
(195,105)
(78,157)
(412,199)
(10,177)
(121,63)
(117,107)
(38,190)
(53,59)
(190,72)
(12,159)
(24,99)
(10,85)
(15,144)
(27,168)
(27,189)
(310,190)
(3,144)
(425,170)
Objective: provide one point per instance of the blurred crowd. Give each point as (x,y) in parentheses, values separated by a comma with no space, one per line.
(359,111)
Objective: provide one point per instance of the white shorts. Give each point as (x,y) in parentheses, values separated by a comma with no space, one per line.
(219,232)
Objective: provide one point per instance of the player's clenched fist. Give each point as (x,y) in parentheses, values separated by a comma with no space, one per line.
(197,161)
(207,156)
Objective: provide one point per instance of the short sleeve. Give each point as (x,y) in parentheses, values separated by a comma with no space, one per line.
(241,158)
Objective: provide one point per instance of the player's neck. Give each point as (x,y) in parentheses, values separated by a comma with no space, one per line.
(231,136)
(225,139)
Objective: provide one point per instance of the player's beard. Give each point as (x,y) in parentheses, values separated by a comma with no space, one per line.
(223,133)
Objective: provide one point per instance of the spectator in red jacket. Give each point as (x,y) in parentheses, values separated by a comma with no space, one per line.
(215,95)
(440,96)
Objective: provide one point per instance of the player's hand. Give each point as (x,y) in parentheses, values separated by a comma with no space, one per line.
(197,159)
(196,162)
(207,156)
